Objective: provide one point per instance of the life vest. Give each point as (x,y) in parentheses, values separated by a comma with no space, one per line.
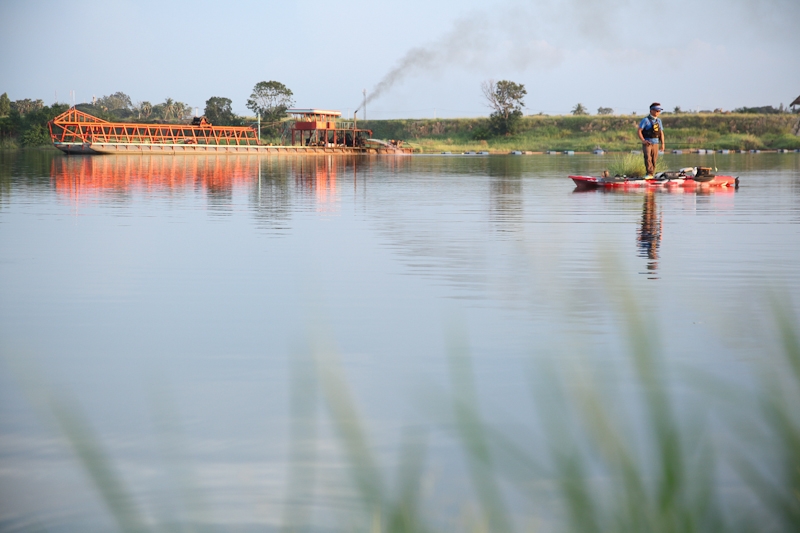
(652,130)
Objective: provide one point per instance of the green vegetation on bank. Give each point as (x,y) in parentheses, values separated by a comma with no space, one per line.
(23,123)
(740,131)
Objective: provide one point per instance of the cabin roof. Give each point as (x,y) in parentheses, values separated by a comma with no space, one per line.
(314,112)
(796,101)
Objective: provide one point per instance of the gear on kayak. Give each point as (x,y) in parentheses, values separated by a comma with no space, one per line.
(687,178)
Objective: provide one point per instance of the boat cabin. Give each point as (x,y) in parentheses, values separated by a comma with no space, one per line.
(321,127)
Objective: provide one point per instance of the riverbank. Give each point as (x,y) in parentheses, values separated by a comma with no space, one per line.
(689,132)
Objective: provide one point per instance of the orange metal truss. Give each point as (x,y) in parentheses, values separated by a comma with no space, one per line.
(74,126)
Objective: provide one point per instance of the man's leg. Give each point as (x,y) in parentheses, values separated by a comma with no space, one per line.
(650,156)
(653,158)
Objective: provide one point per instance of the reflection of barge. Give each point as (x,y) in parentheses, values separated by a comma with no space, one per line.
(313,131)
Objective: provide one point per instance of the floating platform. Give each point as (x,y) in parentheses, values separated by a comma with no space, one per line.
(76,132)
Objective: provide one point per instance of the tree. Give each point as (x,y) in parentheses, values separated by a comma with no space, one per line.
(677,109)
(579,109)
(763,110)
(270,99)
(168,108)
(506,98)
(143,109)
(5,105)
(218,111)
(36,135)
(181,110)
(25,106)
(604,111)
(115,102)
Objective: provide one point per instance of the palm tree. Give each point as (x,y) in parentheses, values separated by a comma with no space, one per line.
(169,108)
(143,109)
(180,110)
(580,109)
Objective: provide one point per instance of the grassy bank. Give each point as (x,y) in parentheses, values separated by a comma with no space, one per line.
(536,133)
(585,133)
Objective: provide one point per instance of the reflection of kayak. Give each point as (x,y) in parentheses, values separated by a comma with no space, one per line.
(679,181)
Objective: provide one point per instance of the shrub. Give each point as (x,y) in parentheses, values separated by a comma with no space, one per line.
(36,135)
(631,165)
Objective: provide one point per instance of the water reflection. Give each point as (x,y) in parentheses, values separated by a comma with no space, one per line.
(505,190)
(82,177)
(650,227)
(648,235)
(271,199)
(497,240)
(316,177)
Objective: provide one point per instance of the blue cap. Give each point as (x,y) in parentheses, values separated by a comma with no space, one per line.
(656,107)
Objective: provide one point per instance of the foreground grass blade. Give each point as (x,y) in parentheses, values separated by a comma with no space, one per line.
(473,435)
(348,425)
(97,465)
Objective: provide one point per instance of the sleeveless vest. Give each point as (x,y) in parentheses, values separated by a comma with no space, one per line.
(652,130)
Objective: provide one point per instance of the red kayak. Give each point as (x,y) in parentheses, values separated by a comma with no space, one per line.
(686,182)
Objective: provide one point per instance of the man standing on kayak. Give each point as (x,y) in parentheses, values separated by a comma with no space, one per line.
(651,133)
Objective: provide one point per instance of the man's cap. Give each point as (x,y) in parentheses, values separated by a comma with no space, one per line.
(655,106)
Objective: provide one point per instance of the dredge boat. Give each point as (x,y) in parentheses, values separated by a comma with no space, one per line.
(691,178)
(313,131)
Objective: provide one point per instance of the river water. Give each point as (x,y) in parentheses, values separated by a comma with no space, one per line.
(165,311)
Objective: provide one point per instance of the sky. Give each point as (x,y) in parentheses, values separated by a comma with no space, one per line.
(428,58)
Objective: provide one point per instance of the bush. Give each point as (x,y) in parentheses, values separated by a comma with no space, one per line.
(632,165)
(36,135)
(787,140)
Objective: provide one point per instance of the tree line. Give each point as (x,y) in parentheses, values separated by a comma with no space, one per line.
(506,99)
(25,121)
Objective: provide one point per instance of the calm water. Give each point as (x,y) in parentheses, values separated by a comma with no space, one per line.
(171,298)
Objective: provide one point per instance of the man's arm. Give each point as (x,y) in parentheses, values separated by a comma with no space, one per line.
(661,134)
(644,141)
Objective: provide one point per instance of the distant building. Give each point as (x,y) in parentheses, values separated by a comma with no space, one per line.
(796,102)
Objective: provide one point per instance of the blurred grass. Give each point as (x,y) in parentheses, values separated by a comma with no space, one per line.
(96,463)
(620,463)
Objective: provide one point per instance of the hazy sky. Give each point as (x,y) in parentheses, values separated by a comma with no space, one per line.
(621,54)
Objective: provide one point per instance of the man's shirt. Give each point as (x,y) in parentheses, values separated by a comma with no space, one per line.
(648,122)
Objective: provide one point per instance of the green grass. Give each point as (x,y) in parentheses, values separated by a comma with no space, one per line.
(585,133)
(9,143)
(632,165)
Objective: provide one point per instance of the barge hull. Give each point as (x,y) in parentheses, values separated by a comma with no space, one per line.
(206,149)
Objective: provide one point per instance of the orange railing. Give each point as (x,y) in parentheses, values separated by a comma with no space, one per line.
(74,126)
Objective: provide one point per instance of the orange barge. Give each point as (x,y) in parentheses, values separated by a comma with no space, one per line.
(313,131)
